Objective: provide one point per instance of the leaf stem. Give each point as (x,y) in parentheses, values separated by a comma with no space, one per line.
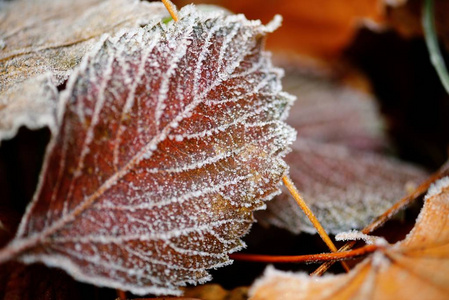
(171,9)
(14,249)
(378,222)
(311,258)
(121,295)
(302,204)
(428,23)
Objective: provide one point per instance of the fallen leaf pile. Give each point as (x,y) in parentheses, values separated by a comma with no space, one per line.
(171,136)
(415,268)
(337,160)
(167,138)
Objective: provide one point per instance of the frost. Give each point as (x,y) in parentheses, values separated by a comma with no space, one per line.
(354,235)
(345,188)
(34,63)
(414,268)
(34,104)
(144,189)
(335,162)
(437,187)
(274,24)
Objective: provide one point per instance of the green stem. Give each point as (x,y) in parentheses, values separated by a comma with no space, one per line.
(428,23)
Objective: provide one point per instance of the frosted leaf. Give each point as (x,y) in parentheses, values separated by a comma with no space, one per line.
(345,188)
(414,268)
(335,162)
(36,282)
(33,62)
(35,106)
(331,112)
(172,135)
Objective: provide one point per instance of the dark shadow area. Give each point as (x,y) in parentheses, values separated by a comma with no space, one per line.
(412,99)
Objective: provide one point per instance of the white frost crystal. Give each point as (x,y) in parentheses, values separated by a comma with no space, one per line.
(172,135)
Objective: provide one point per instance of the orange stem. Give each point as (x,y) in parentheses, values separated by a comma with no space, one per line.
(121,294)
(171,9)
(302,204)
(312,258)
(402,204)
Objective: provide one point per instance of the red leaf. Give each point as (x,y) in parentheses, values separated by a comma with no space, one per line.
(172,135)
(36,282)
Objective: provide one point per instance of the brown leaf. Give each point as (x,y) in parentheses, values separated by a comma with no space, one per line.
(216,292)
(30,282)
(346,189)
(34,62)
(319,28)
(35,282)
(415,268)
(336,161)
(330,111)
(32,103)
(172,135)
(9,220)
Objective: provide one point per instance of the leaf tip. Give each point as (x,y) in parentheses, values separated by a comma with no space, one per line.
(274,24)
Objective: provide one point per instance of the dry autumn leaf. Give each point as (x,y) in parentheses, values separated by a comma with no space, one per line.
(36,282)
(30,282)
(216,292)
(87,230)
(172,135)
(330,110)
(319,28)
(346,189)
(415,268)
(336,161)
(34,63)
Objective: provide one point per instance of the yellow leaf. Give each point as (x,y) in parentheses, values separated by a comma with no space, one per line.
(415,268)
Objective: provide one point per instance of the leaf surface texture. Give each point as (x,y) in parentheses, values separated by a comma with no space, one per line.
(172,135)
(34,63)
(337,161)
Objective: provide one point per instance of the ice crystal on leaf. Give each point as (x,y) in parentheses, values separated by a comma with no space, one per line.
(414,268)
(172,135)
(336,161)
(33,63)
